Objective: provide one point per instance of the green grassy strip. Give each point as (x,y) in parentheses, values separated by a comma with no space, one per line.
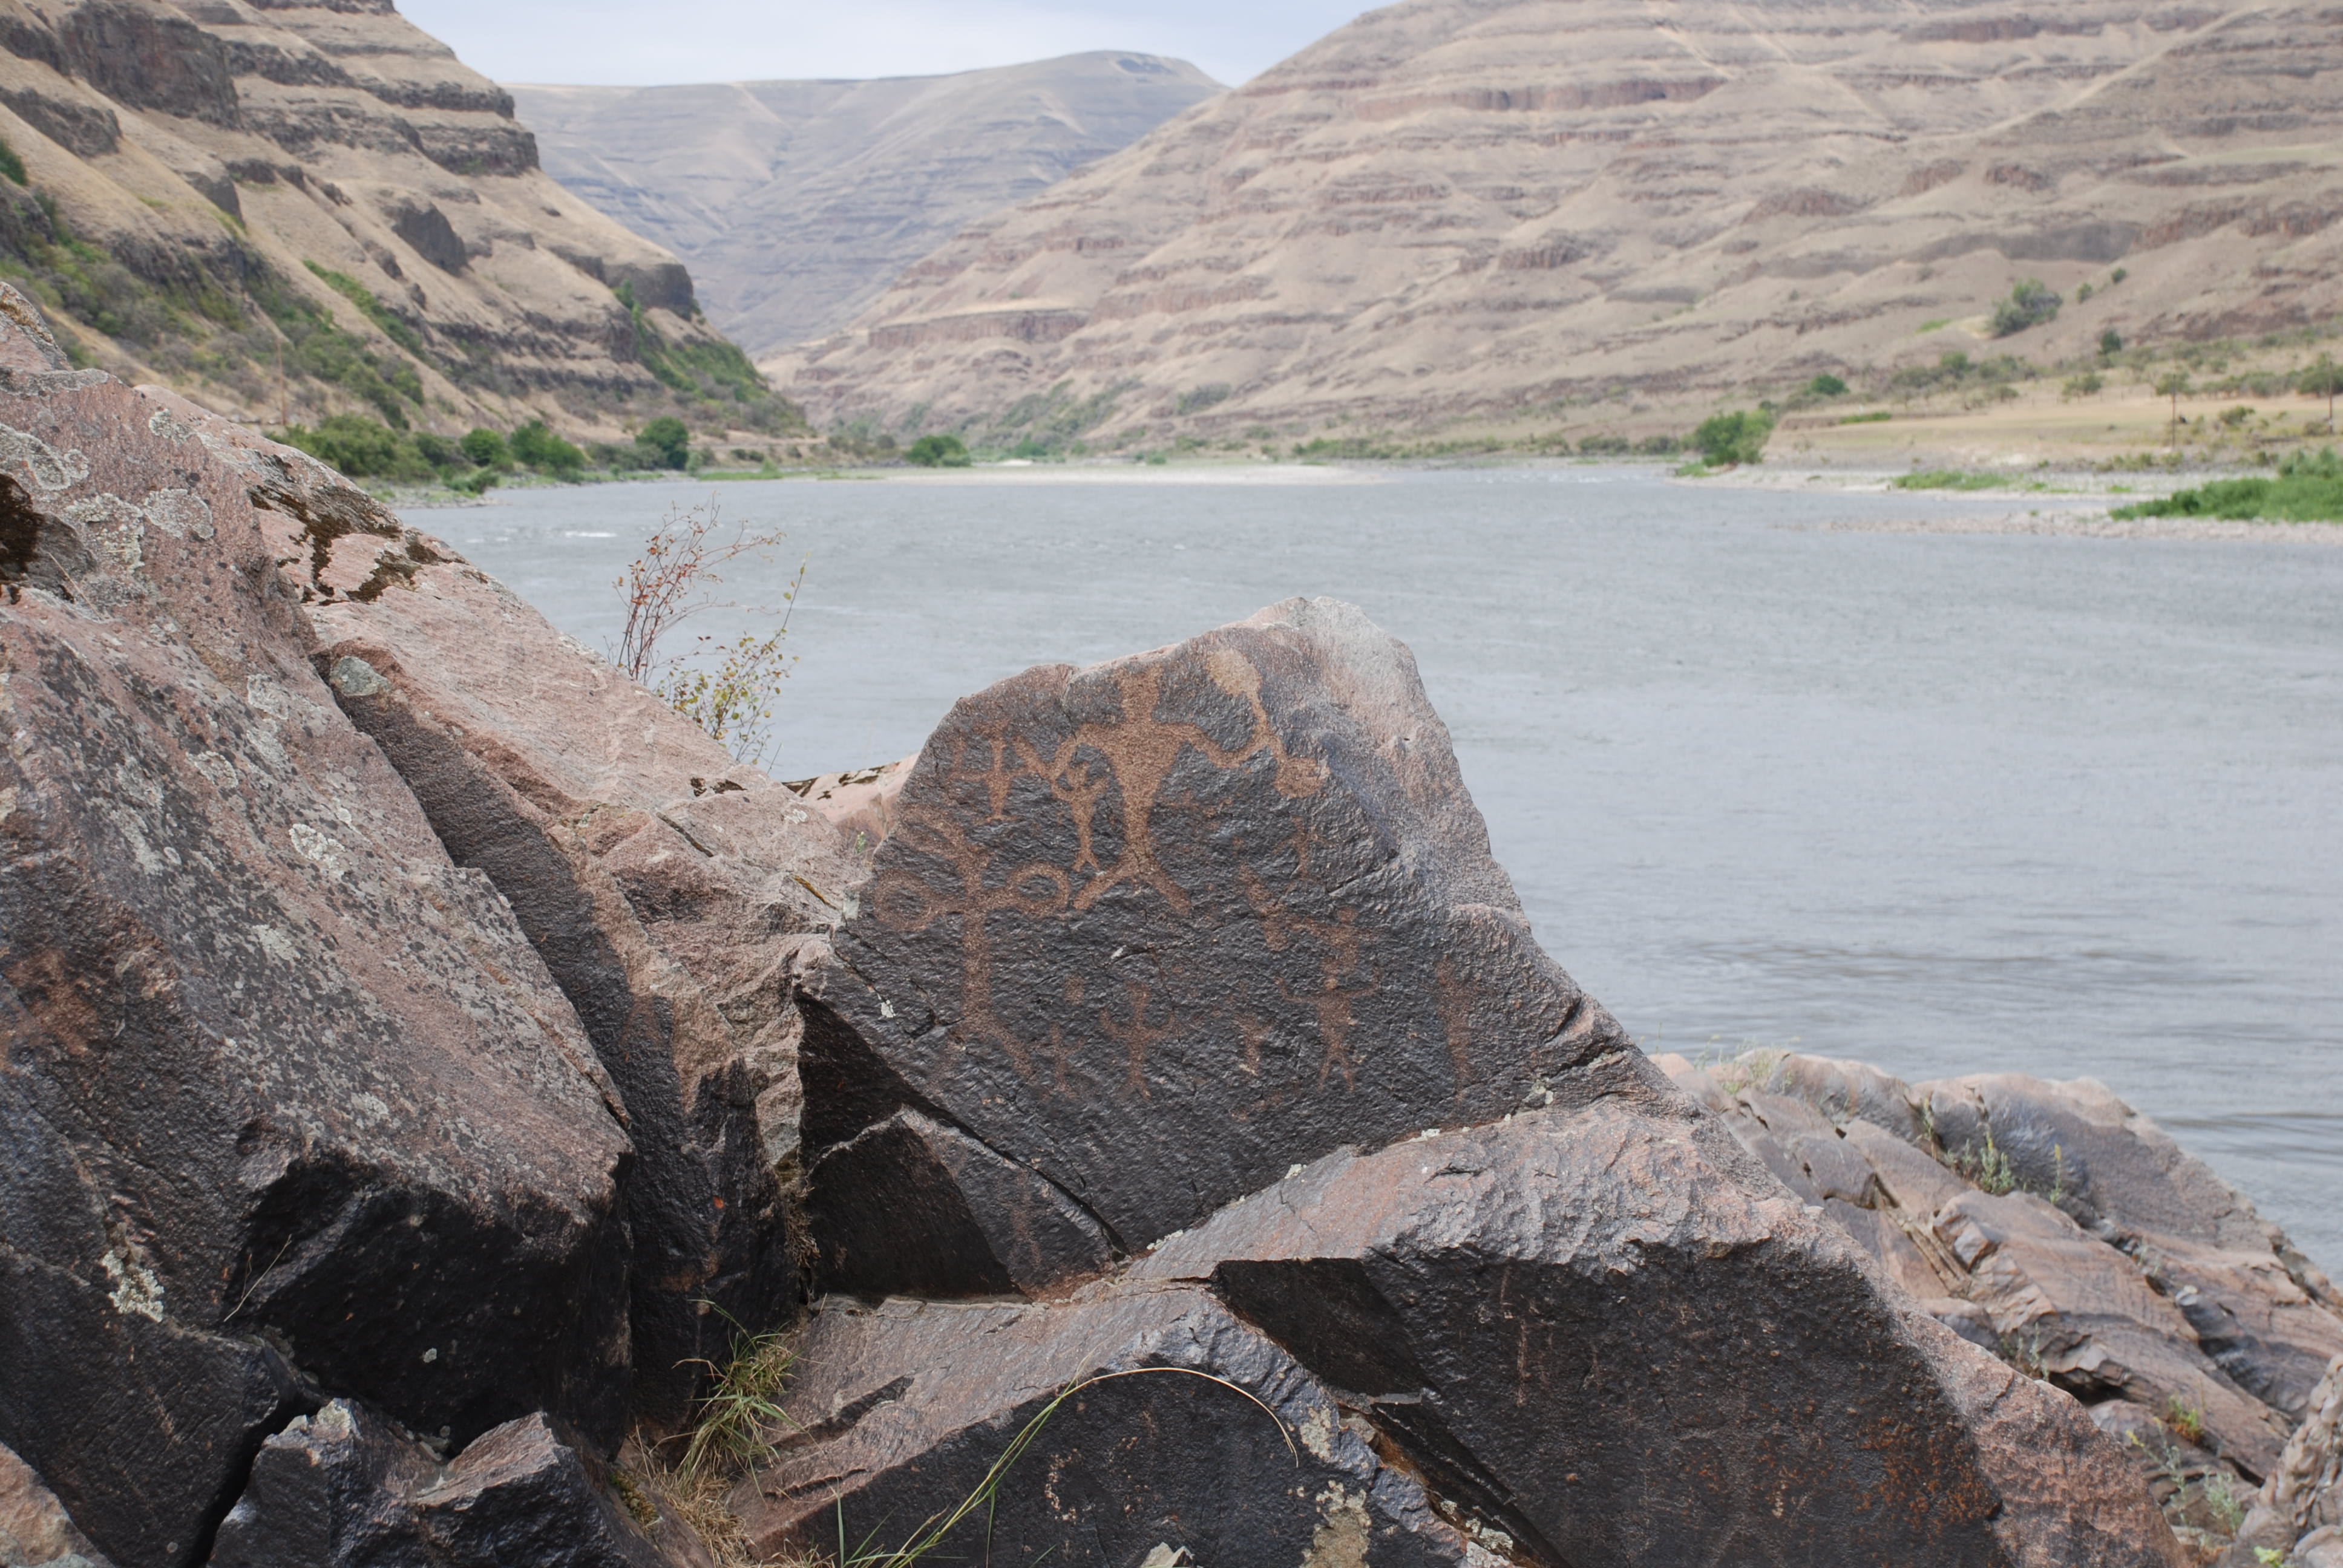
(2309,489)
(1950,480)
(372,308)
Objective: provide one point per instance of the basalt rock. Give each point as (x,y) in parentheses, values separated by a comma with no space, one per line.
(34,1532)
(2299,1509)
(288,1105)
(344,1489)
(1606,1329)
(2053,1224)
(671,892)
(1160,929)
(1187,1436)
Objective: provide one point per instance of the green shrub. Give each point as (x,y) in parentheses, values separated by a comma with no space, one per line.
(2110,344)
(548,453)
(2307,489)
(11,166)
(938,452)
(1733,438)
(1877,416)
(486,447)
(361,447)
(2088,384)
(1826,386)
(663,443)
(2031,304)
(1605,445)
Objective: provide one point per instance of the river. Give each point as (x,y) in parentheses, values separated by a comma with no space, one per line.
(1946,802)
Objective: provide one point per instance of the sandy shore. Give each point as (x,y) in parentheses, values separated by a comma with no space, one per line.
(1137,474)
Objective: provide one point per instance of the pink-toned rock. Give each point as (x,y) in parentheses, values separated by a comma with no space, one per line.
(34,1528)
(672,891)
(858,802)
(287,1099)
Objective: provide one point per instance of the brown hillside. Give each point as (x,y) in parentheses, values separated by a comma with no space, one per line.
(188,171)
(1461,209)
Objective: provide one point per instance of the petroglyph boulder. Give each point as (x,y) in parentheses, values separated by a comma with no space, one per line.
(899,1413)
(344,1489)
(1603,1327)
(1161,929)
(286,1094)
(672,891)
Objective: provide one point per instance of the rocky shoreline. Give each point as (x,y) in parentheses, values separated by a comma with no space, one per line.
(430,1061)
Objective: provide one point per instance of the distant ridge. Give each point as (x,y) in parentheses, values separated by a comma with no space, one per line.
(1461,210)
(797,203)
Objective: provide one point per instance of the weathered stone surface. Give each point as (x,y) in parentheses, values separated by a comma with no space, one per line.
(1606,1328)
(1163,927)
(858,802)
(283,1087)
(344,1489)
(2054,1225)
(912,1208)
(34,1528)
(2300,1507)
(899,1412)
(671,892)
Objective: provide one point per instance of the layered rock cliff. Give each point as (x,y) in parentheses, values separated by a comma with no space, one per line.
(287,210)
(1459,209)
(797,203)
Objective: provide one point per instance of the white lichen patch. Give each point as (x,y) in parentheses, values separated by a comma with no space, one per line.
(1318,1430)
(169,425)
(314,846)
(1341,1539)
(179,513)
(265,694)
(215,768)
(135,1290)
(7,803)
(276,944)
(25,456)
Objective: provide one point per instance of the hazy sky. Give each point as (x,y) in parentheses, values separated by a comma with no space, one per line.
(626,41)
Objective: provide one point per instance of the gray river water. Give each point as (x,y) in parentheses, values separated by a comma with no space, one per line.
(1945,802)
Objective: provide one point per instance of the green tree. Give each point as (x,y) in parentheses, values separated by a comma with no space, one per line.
(665,443)
(548,453)
(2110,344)
(2031,304)
(938,452)
(1728,439)
(2325,378)
(1826,386)
(486,447)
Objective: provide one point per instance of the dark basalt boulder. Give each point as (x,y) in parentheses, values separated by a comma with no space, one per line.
(1160,929)
(344,1489)
(1606,1329)
(287,1102)
(2058,1227)
(1240,1459)
(672,892)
